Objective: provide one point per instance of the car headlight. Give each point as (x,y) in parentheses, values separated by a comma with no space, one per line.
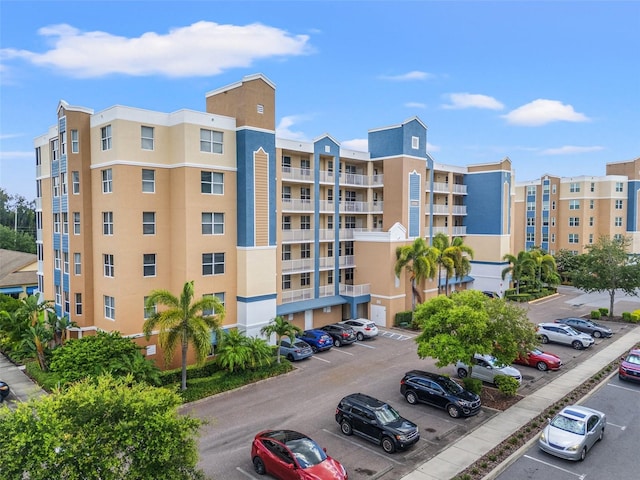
(401,438)
(573,448)
(543,438)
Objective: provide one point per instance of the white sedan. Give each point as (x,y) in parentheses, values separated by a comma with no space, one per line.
(364,328)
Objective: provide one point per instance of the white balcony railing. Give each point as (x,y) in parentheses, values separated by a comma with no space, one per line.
(440,187)
(326,263)
(289,296)
(354,179)
(355,207)
(297,205)
(327,290)
(436,230)
(459,231)
(355,290)
(297,174)
(297,266)
(460,189)
(459,210)
(346,261)
(297,235)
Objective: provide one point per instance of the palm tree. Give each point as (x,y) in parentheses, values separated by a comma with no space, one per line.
(452,257)
(545,265)
(33,315)
(183,323)
(282,328)
(238,352)
(420,260)
(520,266)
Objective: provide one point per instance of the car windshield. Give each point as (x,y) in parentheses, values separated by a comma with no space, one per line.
(569,424)
(450,386)
(300,344)
(632,358)
(535,351)
(386,415)
(307,452)
(571,331)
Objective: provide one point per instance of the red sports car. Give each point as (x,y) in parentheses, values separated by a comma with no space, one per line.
(285,454)
(541,360)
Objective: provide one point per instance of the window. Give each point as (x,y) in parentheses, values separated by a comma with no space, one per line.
(592,204)
(55,154)
(305,222)
(305,194)
(58,295)
(212,223)
(305,250)
(66,302)
(75,183)
(553,205)
(591,221)
(286,222)
(305,279)
(531,237)
(574,221)
(593,187)
(148,223)
(212,182)
(286,252)
(65,222)
(305,166)
(149,265)
(348,248)
(146,135)
(75,141)
(38,188)
(349,221)
(574,205)
(105,135)
(330,194)
(286,282)
(619,187)
(553,221)
(210,141)
(78,302)
(107,223)
(531,221)
(219,296)
(148,312)
(55,183)
(553,188)
(531,190)
(260,108)
(56,259)
(591,238)
(109,267)
(63,183)
(329,250)
(531,206)
(617,237)
(574,238)
(107,186)
(286,163)
(618,205)
(545,236)
(56,223)
(65,262)
(77,264)
(415,143)
(109,307)
(330,277)
(286,193)
(574,187)
(212,263)
(148,181)
(553,238)
(618,221)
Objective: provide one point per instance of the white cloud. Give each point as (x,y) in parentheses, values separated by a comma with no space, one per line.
(201,49)
(5,136)
(16,155)
(283,129)
(357,144)
(570,150)
(415,105)
(542,111)
(472,100)
(432,148)
(409,76)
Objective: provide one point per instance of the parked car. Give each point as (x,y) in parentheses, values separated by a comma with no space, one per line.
(318,340)
(543,361)
(364,328)
(439,391)
(375,421)
(487,368)
(491,294)
(4,390)
(572,432)
(341,334)
(630,366)
(560,333)
(286,454)
(587,326)
(298,351)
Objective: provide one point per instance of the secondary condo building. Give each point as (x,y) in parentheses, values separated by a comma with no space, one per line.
(131,200)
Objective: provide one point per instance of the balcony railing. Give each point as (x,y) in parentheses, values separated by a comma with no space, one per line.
(289,296)
(328,206)
(326,263)
(459,231)
(327,290)
(354,179)
(436,230)
(297,266)
(355,290)
(459,209)
(297,174)
(346,261)
(297,205)
(440,187)
(298,235)
(351,179)
(460,189)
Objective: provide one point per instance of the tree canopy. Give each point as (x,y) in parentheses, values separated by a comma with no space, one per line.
(457,327)
(419,259)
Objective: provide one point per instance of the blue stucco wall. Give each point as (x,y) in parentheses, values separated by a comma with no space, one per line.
(632,205)
(485,202)
(395,141)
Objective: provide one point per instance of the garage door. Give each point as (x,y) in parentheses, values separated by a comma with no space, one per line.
(379,315)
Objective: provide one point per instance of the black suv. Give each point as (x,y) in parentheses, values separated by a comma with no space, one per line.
(376,421)
(439,391)
(341,334)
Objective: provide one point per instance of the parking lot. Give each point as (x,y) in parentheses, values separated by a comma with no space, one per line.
(305,400)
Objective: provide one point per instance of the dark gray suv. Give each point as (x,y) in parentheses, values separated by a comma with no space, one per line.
(375,421)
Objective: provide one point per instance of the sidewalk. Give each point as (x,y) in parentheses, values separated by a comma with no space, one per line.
(461,454)
(22,387)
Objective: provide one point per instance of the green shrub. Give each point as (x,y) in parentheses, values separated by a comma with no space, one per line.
(403,319)
(472,384)
(507,385)
(604,311)
(626,316)
(635,316)
(595,314)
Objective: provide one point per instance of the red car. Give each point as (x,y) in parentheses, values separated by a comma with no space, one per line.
(630,366)
(286,454)
(541,360)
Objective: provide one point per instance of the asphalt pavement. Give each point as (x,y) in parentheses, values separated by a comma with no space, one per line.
(22,387)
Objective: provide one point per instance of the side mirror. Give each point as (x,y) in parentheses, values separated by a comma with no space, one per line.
(291,466)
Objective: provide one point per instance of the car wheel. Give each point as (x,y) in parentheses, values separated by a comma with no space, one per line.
(314,349)
(543,367)
(411,397)
(583,454)
(258,466)
(345,427)
(601,435)
(453,411)
(360,336)
(290,358)
(337,342)
(388,445)
(597,334)
(462,373)
(577,344)
(544,339)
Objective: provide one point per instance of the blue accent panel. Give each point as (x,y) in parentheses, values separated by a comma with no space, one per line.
(248,142)
(355,301)
(258,298)
(65,282)
(11,290)
(57,241)
(58,309)
(62,124)
(56,204)
(64,200)
(414,205)
(397,140)
(295,307)
(65,243)
(63,163)
(31,289)
(485,202)
(55,168)
(632,205)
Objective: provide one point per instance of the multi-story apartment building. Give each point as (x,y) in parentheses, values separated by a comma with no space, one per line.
(131,200)
(571,213)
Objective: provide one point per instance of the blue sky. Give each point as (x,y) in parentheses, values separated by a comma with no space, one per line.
(554,86)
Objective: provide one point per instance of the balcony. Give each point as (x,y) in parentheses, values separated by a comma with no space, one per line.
(459,189)
(327,291)
(439,187)
(436,230)
(347,261)
(354,207)
(354,179)
(438,209)
(297,236)
(355,290)
(297,266)
(296,205)
(459,231)
(459,209)
(290,296)
(327,234)
(297,174)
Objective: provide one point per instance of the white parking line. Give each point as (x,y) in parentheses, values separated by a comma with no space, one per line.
(580,476)
(315,357)
(364,448)
(624,388)
(246,474)
(395,336)
(339,349)
(621,427)
(360,344)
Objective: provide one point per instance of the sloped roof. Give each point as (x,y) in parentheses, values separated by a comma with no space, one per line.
(18,268)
